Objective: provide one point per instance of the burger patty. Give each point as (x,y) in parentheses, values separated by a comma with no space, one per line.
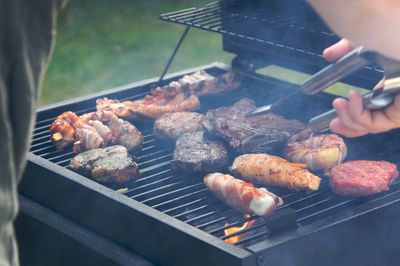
(362,178)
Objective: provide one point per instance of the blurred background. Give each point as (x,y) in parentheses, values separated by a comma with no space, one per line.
(107,43)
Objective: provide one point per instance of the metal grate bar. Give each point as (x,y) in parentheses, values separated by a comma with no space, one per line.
(172,192)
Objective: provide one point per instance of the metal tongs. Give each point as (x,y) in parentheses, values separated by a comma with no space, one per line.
(347,65)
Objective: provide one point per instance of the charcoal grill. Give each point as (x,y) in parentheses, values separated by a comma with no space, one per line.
(171,219)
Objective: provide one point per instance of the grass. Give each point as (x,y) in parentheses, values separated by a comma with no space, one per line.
(108,43)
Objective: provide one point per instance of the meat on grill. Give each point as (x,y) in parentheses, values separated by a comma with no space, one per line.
(269,169)
(195,153)
(181,95)
(93,130)
(108,165)
(251,134)
(242,196)
(172,125)
(362,177)
(63,129)
(318,152)
(87,138)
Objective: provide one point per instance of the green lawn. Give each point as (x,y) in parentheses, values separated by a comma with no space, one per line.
(106,43)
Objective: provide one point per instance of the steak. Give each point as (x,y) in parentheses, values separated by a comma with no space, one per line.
(362,178)
(259,133)
(172,125)
(195,153)
(109,165)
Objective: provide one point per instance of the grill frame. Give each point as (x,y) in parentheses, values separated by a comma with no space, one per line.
(178,243)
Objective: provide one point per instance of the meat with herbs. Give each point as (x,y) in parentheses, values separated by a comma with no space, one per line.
(195,153)
(242,196)
(362,177)
(177,96)
(251,134)
(172,125)
(268,169)
(107,165)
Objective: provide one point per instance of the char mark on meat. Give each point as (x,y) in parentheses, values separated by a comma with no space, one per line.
(251,134)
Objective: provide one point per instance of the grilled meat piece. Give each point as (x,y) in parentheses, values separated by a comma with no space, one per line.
(251,134)
(108,165)
(269,169)
(195,153)
(125,133)
(137,110)
(62,130)
(242,196)
(318,152)
(362,178)
(181,95)
(94,130)
(172,125)
(87,138)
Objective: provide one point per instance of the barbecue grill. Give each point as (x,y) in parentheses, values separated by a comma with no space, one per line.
(171,218)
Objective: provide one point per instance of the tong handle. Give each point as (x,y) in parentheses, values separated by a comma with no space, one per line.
(345,66)
(321,122)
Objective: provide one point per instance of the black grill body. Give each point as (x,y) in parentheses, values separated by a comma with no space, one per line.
(171,219)
(164,216)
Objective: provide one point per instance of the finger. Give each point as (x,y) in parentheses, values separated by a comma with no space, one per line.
(342,110)
(380,84)
(392,113)
(356,104)
(339,49)
(362,117)
(337,126)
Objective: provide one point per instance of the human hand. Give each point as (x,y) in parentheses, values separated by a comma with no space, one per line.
(338,50)
(353,120)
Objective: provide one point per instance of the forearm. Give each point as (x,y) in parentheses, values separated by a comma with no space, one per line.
(372,23)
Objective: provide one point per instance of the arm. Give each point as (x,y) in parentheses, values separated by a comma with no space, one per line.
(372,23)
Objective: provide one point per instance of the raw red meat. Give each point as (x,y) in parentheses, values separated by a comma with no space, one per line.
(362,178)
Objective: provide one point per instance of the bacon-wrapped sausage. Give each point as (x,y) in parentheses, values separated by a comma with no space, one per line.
(269,169)
(87,138)
(242,196)
(318,152)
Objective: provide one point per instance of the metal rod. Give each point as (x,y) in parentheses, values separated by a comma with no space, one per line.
(178,45)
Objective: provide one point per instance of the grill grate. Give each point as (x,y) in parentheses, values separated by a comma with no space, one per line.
(243,19)
(184,197)
(281,31)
